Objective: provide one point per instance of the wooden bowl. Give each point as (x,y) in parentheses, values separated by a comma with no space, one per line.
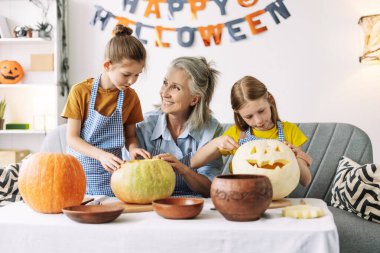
(178,208)
(241,197)
(93,213)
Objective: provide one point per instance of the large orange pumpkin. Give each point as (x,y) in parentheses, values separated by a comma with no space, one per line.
(11,72)
(49,182)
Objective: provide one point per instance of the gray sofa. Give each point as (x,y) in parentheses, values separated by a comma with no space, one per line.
(327,142)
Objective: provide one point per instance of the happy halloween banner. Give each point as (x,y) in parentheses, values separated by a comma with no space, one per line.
(185,35)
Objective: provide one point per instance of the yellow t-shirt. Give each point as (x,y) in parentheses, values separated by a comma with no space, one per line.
(292,133)
(78,102)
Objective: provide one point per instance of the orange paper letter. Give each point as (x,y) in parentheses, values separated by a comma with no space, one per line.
(247,3)
(153,7)
(211,30)
(253,23)
(158,41)
(196,5)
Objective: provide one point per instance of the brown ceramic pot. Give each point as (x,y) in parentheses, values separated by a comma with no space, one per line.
(241,197)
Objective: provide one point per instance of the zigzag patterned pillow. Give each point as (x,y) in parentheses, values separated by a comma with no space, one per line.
(9,184)
(356,188)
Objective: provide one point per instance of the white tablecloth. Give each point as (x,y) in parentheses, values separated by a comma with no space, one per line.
(24,230)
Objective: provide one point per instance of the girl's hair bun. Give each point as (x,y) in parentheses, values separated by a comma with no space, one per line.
(121,30)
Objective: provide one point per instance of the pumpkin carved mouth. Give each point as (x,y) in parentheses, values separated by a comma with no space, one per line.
(267,165)
(10,77)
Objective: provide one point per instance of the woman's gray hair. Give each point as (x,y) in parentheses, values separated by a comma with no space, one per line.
(202,83)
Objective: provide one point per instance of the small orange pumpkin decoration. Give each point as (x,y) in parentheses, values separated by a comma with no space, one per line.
(49,182)
(11,72)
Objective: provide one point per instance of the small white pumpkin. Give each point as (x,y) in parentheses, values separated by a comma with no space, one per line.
(271,158)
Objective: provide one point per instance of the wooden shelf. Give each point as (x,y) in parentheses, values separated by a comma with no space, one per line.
(26,85)
(11,41)
(29,131)
(36,99)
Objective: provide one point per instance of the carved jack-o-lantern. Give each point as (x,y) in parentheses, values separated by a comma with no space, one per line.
(10,72)
(271,158)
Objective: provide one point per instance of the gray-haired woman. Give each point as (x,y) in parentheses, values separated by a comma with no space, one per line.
(183,124)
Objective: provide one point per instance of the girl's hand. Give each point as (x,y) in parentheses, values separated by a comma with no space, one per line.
(177,165)
(134,153)
(300,154)
(110,162)
(293,148)
(225,143)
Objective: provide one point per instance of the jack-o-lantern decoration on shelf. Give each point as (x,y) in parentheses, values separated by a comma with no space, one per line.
(11,72)
(49,182)
(271,158)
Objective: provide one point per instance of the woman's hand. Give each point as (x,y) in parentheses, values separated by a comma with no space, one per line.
(225,143)
(177,165)
(197,182)
(134,153)
(109,161)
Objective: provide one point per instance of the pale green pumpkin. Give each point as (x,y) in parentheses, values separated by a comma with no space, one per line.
(142,181)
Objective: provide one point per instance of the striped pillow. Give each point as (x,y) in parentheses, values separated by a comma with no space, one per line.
(356,188)
(9,184)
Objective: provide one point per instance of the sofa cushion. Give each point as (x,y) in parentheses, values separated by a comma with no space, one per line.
(9,184)
(355,234)
(327,142)
(55,140)
(356,188)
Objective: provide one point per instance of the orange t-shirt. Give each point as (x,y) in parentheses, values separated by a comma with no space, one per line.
(78,102)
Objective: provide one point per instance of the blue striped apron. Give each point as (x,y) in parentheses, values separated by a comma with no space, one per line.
(103,132)
(251,137)
(181,188)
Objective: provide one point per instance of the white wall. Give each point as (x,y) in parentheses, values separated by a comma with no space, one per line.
(309,61)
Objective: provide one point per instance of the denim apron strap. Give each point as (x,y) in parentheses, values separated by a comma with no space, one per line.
(94,91)
(281,135)
(251,137)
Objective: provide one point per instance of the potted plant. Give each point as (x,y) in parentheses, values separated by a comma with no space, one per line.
(3,105)
(44,28)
